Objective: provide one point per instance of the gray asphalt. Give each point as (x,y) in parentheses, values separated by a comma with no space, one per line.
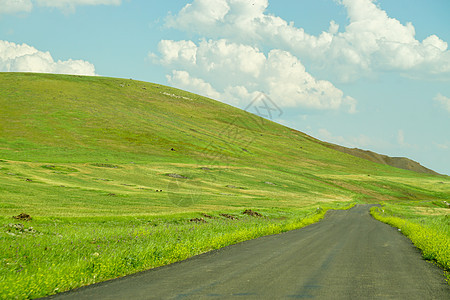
(348,255)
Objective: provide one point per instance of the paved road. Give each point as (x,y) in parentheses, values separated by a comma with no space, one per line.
(348,255)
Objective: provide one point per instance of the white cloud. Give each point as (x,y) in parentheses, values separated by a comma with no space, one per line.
(362,141)
(327,136)
(237,94)
(442,146)
(443,101)
(288,81)
(16,6)
(25,58)
(372,42)
(236,72)
(183,80)
(182,51)
(401,137)
(69,5)
(61,3)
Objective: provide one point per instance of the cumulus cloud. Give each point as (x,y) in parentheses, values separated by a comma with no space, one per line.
(443,101)
(25,58)
(184,80)
(371,42)
(16,6)
(236,73)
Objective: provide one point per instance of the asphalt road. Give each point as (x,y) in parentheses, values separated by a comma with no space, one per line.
(348,255)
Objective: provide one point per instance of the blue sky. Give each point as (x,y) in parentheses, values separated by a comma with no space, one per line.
(360,73)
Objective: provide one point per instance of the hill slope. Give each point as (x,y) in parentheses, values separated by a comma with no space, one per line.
(90,137)
(121,176)
(397,162)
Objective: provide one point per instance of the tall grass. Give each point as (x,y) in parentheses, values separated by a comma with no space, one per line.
(431,234)
(50,256)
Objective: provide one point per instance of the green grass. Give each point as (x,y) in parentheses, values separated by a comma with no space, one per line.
(49,255)
(426,224)
(89,159)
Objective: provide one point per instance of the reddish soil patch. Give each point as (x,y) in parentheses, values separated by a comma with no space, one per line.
(207,216)
(229,216)
(197,220)
(252,213)
(23,217)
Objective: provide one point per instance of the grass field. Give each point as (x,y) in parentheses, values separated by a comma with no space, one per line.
(425,223)
(112,170)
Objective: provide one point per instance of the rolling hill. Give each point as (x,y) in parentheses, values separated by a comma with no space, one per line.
(103,177)
(101,136)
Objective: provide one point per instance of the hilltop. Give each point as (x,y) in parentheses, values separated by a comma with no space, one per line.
(397,162)
(75,131)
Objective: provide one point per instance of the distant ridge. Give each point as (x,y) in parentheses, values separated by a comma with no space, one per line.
(397,162)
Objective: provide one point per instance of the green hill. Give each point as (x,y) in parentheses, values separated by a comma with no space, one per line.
(100,164)
(115,136)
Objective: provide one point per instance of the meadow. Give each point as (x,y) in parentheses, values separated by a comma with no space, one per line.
(119,176)
(425,223)
(49,256)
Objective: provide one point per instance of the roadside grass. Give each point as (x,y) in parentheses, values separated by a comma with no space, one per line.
(425,223)
(50,255)
(95,179)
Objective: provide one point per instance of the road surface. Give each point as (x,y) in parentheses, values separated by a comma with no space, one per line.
(348,255)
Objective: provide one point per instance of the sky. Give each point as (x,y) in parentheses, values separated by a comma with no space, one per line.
(360,73)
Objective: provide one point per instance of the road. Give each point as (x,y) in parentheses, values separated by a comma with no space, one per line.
(348,255)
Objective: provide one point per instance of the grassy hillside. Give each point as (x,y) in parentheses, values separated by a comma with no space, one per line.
(76,137)
(121,172)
